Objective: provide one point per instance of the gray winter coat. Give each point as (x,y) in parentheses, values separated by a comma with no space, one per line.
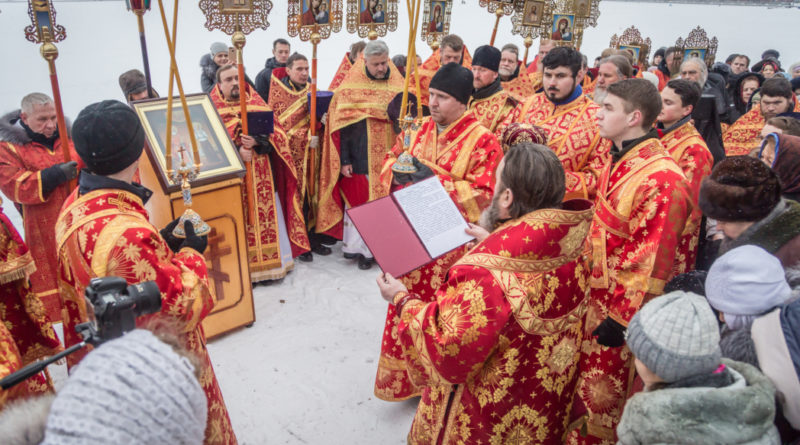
(741,413)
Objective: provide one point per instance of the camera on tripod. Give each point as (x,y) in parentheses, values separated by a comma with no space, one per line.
(116,306)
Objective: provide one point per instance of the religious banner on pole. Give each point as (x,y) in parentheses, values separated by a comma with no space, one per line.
(527,22)
(632,42)
(371,18)
(435,21)
(697,44)
(565,20)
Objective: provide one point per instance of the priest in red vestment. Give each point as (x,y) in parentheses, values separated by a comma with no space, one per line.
(496,348)
(451,49)
(357,137)
(744,135)
(568,117)
(103,230)
(288,98)
(35,177)
(279,234)
(26,334)
(686,147)
(463,154)
(490,103)
(642,206)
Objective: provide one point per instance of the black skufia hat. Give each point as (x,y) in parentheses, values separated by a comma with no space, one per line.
(454,80)
(108,136)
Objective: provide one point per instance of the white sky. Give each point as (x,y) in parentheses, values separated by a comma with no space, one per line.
(102,41)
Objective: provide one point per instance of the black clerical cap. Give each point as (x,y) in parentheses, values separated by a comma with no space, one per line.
(108,136)
(454,80)
(487,57)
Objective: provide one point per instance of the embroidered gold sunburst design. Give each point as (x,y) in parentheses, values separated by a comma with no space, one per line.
(496,377)
(520,426)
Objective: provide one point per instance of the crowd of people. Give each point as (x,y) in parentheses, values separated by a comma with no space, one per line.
(634,275)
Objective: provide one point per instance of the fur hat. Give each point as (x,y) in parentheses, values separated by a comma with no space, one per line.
(132,82)
(740,188)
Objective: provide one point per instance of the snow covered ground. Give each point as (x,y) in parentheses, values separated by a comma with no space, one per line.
(303,374)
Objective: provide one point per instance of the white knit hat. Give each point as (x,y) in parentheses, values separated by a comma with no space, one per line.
(131,390)
(746,282)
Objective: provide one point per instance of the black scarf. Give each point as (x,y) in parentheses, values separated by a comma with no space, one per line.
(488,91)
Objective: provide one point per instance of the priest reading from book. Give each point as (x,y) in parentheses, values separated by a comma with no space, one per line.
(568,117)
(357,137)
(490,102)
(496,347)
(279,233)
(453,145)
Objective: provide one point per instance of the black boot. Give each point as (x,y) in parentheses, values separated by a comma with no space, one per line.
(306,257)
(365,263)
(320,249)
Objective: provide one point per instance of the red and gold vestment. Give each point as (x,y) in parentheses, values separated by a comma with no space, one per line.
(536,79)
(521,87)
(290,109)
(341,72)
(464,157)
(21,163)
(264,253)
(26,334)
(426,71)
(106,232)
(690,152)
(493,110)
(574,136)
(642,205)
(358,98)
(744,135)
(497,349)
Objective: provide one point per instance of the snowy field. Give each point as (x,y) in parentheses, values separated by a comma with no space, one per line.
(303,374)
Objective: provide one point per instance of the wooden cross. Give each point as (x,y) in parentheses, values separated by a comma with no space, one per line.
(214,255)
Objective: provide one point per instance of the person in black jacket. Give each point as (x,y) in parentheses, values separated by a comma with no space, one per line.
(280,52)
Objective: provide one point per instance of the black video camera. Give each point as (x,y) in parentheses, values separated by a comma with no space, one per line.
(116,306)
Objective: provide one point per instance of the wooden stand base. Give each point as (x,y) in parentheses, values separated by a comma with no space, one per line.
(220,205)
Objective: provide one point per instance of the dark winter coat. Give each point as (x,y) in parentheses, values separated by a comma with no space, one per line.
(264,76)
(208,74)
(740,413)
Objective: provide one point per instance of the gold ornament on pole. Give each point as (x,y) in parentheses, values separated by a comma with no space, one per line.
(371,18)
(499,8)
(435,21)
(697,44)
(44,30)
(238,18)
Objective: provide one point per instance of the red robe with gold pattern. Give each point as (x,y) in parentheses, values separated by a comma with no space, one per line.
(106,232)
(21,163)
(426,71)
(341,72)
(536,79)
(744,135)
(643,203)
(690,152)
(464,158)
(493,110)
(574,136)
(26,334)
(264,253)
(358,98)
(521,87)
(290,108)
(503,335)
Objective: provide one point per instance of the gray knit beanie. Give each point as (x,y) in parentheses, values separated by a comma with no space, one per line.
(218,47)
(675,336)
(132,390)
